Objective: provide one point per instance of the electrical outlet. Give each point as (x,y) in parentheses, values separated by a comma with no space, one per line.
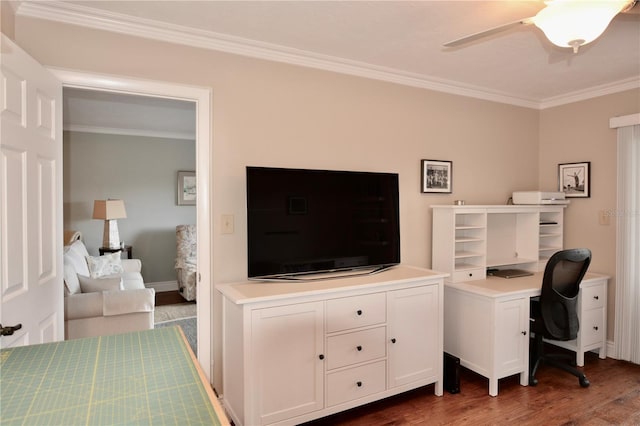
(227,224)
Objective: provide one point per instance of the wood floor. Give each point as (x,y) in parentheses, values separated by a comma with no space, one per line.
(169,298)
(612,399)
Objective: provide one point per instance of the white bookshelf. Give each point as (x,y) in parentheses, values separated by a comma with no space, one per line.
(469,239)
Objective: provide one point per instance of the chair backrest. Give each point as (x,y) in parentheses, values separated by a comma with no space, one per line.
(560,288)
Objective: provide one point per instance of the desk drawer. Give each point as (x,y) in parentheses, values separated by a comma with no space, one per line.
(593,297)
(356,311)
(355,383)
(592,327)
(359,346)
(468,275)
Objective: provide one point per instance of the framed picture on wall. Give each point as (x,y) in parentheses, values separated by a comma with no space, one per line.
(574,179)
(187,188)
(436,176)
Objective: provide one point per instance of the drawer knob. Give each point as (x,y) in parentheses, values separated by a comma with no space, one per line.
(393,340)
(359,348)
(524,333)
(470,274)
(321,356)
(359,312)
(596,297)
(595,327)
(359,384)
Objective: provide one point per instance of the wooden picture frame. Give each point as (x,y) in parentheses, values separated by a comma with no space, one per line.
(574,179)
(437,176)
(187,190)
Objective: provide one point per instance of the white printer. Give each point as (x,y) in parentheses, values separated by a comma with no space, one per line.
(539,197)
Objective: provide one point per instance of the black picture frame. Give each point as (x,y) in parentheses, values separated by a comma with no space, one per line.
(574,179)
(437,176)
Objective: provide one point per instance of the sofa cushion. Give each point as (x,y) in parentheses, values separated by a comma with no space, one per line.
(132,280)
(101,266)
(91,285)
(76,254)
(71,282)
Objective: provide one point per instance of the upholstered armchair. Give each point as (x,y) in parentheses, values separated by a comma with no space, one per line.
(186,266)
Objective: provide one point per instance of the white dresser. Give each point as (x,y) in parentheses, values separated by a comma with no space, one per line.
(297,351)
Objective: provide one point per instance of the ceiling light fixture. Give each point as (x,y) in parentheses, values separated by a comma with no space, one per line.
(574,23)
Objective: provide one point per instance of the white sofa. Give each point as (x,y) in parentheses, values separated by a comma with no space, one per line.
(102,305)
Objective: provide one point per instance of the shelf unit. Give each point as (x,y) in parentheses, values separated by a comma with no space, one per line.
(469,239)
(550,235)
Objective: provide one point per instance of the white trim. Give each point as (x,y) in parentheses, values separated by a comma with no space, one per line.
(624,121)
(592,92)
(202,97)
(115,22)
(161,286)
(130,132)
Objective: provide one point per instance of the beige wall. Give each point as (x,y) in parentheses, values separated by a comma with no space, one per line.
(7,18)
(580,132)
(272,114)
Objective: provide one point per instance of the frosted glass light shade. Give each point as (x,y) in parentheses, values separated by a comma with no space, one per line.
(574,23)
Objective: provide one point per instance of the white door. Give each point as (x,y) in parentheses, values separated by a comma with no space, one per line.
(31,199)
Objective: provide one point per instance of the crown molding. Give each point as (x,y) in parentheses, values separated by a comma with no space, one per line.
(130,132)
(73,14)
(593,92)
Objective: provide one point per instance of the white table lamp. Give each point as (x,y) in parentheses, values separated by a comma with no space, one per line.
(109,211)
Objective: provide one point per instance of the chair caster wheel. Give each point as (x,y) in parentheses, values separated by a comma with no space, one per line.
(584,382)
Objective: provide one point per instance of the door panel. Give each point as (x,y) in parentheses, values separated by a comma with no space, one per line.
(31,195)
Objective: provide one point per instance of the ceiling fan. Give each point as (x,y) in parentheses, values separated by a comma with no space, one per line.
(566,23)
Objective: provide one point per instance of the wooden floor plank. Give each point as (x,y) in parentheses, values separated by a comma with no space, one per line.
(612,399)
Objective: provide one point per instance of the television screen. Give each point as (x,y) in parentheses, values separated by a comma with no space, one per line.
(314,221)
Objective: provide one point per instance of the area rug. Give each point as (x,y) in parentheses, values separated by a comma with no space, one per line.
(189,327)
(180,314)
(173,312)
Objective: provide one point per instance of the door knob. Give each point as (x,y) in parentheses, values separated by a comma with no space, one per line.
(8,331)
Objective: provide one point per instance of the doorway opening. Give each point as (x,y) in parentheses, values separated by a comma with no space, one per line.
(201,99)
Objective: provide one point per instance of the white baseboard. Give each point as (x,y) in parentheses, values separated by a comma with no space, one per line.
(163,286)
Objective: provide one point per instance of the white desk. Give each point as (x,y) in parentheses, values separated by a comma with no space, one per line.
(486,324)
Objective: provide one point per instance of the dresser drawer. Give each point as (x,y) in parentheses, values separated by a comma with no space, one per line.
(593,297)
(356,311)
(592,327)
(355,383)
(468,275)
(355,347)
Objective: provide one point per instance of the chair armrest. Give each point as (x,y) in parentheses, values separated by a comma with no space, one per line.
(132,265)
(128,301)
(108,303)
(83,305)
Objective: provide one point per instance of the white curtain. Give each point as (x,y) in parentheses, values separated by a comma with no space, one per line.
(627,320)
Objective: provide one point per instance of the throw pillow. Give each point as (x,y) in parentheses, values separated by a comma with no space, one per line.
(101,266)
(92,285)
(71,283)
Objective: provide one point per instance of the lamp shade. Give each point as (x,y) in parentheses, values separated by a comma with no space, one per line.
(109,209)
(573,23)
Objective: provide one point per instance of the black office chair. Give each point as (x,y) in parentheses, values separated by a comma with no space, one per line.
(554,313)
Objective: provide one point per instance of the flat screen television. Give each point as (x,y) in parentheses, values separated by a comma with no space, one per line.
(306,222)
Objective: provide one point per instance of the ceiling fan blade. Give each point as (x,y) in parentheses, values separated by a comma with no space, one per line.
(486,33)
